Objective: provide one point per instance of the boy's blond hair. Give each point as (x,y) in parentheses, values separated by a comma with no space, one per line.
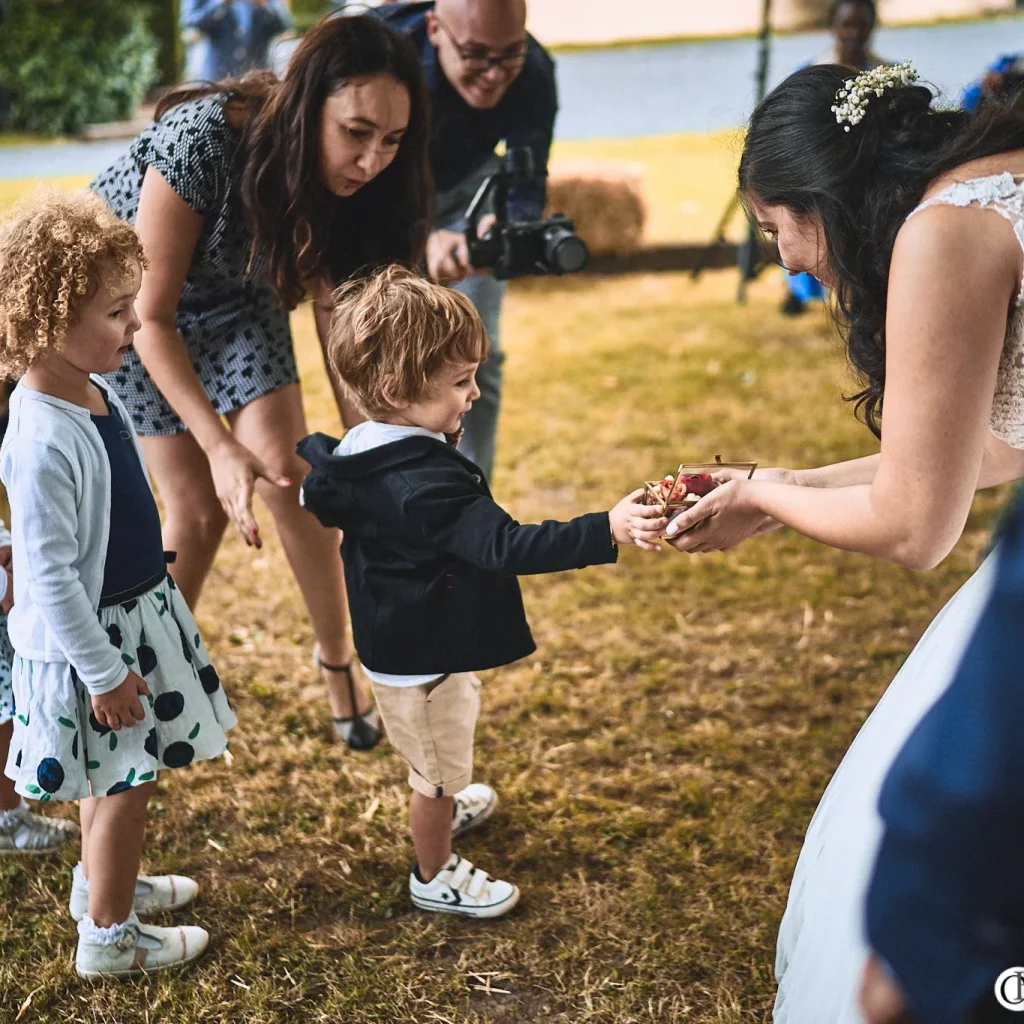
(392,331)
(54,247)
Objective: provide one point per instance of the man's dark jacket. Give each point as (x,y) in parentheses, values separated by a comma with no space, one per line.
(431,559)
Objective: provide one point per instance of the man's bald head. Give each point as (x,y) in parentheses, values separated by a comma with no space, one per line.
(466,33)
(485,17)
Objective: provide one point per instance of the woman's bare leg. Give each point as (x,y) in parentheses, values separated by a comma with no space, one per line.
(194,520)
(271,427)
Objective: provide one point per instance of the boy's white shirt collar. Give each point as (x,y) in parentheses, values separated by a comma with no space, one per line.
(373,434)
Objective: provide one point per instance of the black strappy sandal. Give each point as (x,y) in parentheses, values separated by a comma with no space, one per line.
(360,731)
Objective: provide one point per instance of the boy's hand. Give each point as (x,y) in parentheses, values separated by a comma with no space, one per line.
(121,706)
(633,523)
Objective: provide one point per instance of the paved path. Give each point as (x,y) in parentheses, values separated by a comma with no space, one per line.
(651,90)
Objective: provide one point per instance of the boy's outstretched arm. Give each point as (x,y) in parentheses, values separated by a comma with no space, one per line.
(474,527)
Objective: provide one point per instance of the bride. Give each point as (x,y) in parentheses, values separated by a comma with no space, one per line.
(914,217)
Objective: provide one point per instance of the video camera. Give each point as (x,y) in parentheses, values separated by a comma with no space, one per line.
(514,249)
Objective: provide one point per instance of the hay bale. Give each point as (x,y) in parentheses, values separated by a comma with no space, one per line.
(604,198)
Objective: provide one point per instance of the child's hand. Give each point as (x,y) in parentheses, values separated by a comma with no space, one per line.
(121,706)
(633,523)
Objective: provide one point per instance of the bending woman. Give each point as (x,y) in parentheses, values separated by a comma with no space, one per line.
(915,218)
(248,194)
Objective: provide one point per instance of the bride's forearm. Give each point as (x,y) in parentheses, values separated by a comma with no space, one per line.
(1000,464)
(850,520)
(840,474)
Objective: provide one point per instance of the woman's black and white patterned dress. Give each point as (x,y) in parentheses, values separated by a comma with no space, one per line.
(236,333)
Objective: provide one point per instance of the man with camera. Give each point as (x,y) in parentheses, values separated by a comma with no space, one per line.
(490,82)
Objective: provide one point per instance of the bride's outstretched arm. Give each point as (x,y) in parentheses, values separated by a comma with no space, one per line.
(1000,464)
(954,275)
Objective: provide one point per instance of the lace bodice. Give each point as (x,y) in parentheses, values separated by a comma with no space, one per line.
(1004,194)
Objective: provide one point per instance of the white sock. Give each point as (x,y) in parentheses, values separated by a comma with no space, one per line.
(13,816)
(89,930)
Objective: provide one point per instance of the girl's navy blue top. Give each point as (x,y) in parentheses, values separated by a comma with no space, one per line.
(135,551)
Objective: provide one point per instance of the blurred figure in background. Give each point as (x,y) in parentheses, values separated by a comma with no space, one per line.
(852,23)
(230,37)
(1003,78)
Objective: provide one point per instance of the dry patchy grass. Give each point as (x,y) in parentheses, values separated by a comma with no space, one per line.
(658,759)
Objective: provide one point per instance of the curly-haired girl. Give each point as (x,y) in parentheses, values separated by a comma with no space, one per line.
(111,679)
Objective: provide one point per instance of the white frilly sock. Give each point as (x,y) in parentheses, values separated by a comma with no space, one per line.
(90,931)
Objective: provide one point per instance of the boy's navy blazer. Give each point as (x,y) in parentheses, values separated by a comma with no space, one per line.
(431,559)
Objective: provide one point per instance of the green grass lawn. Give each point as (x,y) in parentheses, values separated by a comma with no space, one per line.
(658,759)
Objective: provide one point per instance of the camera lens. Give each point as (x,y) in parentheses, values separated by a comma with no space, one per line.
(564,251)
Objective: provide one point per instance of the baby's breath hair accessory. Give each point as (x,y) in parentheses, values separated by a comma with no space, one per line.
(852,100)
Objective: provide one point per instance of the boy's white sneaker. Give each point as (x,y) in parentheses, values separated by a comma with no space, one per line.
(459,888)
(24,834)
(473,806)
(153,893)
(140,949)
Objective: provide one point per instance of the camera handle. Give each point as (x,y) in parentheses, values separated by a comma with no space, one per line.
(498,184)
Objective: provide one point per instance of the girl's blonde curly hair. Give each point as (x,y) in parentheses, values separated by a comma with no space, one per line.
(54,248)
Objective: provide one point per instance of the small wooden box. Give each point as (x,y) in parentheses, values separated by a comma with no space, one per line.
(653,494)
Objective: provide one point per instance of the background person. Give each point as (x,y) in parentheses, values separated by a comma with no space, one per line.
(490,81)
(1004,76)
(231,36)
(246,195)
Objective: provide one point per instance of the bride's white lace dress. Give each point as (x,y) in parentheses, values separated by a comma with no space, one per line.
(821,947)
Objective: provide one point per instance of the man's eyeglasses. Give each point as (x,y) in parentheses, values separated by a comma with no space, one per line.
(480,60)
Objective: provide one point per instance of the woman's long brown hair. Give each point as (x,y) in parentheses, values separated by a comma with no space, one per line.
(302,232)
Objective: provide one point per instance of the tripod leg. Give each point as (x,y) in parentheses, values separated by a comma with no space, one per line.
(719,237)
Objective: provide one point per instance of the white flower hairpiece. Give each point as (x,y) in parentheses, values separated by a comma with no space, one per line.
(852,100)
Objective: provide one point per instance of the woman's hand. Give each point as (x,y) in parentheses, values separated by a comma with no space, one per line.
(235,471)
(121,706)
(633,523)
(738,521)
(719,521)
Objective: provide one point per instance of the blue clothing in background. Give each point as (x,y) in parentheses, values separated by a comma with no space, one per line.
(463,137)
(945,907)
(1006,63)
(235,35)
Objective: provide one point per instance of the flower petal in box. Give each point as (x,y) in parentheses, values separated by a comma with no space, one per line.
(678,491)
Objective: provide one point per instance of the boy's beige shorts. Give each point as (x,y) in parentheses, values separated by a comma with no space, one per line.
(431,727)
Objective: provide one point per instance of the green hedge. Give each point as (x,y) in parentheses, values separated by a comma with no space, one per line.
(65,65)
(307,13)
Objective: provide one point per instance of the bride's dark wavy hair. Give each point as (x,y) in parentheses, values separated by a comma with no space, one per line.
(862,185)
(301,230)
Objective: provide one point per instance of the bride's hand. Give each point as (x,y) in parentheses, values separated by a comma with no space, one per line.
(719,521)
(775,475)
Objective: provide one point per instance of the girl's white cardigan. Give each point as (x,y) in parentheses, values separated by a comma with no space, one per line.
(57,475)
